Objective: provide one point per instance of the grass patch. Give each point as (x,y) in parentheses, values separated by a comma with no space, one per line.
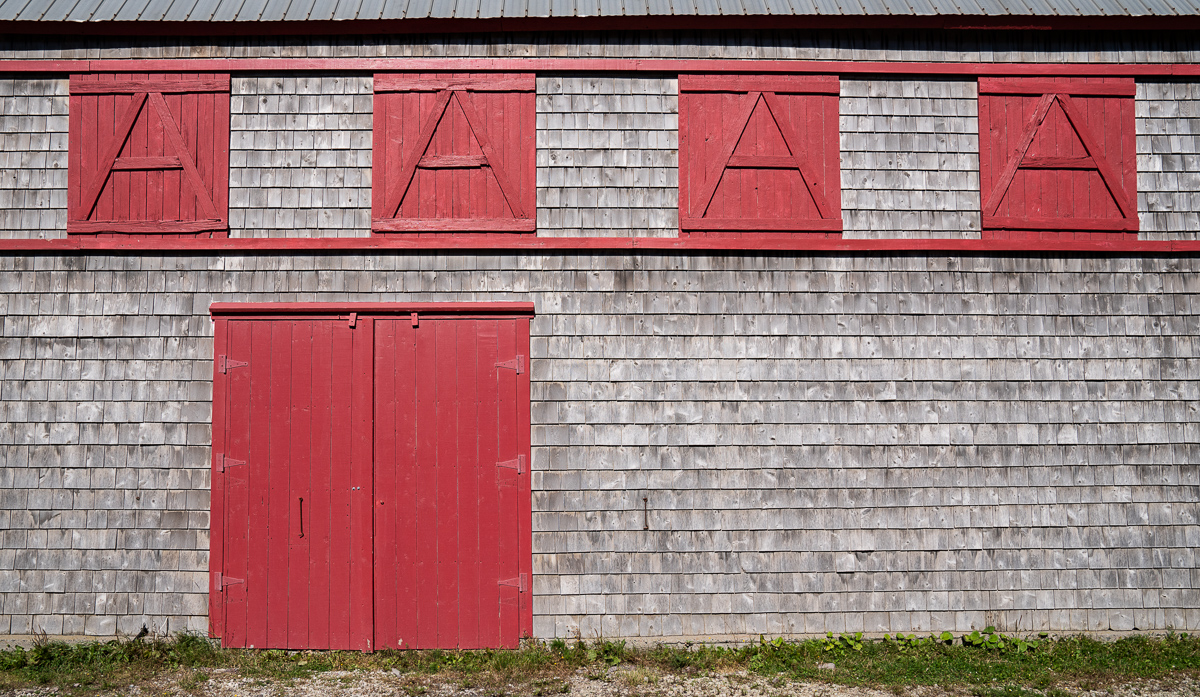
(984,664)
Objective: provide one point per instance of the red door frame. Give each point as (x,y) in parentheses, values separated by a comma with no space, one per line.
(352,313)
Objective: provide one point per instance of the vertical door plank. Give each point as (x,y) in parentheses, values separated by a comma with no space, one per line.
(278,502)
(362,453)
(340,549)
(521,408)
(425,492)
(299,533)
(489,507)
(467,367)
(405,435)
(217,529)
(508,446)
(388,569)
(323,453)
(257,593)
(447,484)
(236,549)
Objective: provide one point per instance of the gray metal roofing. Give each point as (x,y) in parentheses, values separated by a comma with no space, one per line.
(314,10)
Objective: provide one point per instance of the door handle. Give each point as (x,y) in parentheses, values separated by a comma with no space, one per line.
(301,516)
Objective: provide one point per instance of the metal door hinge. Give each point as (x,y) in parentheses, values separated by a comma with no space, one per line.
(520,582)
(223,462)
(517,364)
(224,363)
(517,464)
(222,582)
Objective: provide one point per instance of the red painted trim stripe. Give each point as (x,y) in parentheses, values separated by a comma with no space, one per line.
(1121,88)
(501,244)
(510,309)
(659,65)
(403,82)
(786,84)
(156,85)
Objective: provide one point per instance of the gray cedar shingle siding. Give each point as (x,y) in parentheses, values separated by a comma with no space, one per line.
(300,156)
(827,442)
(1168,147)
(910,158)
(33,158)
(608,156)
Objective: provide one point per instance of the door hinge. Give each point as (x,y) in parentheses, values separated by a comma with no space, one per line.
(517,464)
(223,462)
(224,363)
(517,364)
(221,581)
(520,582)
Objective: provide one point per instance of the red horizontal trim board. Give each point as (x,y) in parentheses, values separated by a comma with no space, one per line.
(339,309)
(1119,88)
(787,84)
(154,85)
(660,65)
(404,82)
(501,244)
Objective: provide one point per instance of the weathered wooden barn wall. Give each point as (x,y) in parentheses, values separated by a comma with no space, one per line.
(826,442)
(608,156)
(879,442)
(300,156)
(1168,146)
(910,158)
(33,157)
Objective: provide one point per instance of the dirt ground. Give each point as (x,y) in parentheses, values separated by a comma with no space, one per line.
(619,681)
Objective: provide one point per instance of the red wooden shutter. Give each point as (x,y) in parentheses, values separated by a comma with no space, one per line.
(1057,155)
(454,152)
(149,154)
(759,153)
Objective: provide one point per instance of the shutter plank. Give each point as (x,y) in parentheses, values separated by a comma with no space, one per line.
(108,155)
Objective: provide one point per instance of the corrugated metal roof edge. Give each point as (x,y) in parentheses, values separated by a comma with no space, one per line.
(634,23)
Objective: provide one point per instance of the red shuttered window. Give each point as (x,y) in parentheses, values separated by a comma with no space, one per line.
(454,152)
(759,154)
(1057,157)
(149,154)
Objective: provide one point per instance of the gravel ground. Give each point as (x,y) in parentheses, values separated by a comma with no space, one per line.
(620,681)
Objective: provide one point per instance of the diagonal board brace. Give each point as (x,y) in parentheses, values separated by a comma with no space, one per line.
(182,158)
(1094,161)
(793,160)
(416,156)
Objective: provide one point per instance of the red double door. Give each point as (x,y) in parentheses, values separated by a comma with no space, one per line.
(370,481)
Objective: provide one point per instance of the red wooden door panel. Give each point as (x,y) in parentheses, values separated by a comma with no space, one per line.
(759,154)
(453,152)
(371,486)
(1057,157)
(149,154)
(451,571)
(293,474)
